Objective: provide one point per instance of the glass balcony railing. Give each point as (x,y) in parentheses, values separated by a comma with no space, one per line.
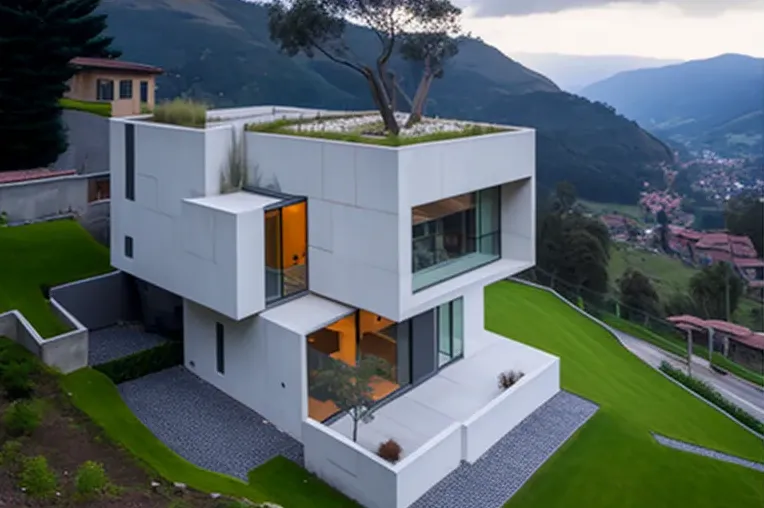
(434,264)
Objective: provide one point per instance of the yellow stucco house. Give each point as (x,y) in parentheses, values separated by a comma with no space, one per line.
(126,85)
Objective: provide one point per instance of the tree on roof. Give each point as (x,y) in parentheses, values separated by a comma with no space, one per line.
(39,39)
(420,31)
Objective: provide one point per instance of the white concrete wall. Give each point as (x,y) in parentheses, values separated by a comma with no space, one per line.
(369,479)
(539,384)
(264,364)
(359,209)
(210,256)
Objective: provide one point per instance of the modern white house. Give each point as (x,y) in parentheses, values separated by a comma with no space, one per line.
(339,248)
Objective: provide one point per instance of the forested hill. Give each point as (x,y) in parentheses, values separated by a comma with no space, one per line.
(220,51)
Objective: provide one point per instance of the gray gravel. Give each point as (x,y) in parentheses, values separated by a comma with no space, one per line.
(119,341)
(204,425)
(499,474)
(699,450)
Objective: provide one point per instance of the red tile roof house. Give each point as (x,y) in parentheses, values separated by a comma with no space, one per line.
(26,175)
(736,342)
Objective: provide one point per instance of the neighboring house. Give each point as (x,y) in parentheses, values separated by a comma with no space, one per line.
(736,342)
(353,249)
(127,86)
(620,226)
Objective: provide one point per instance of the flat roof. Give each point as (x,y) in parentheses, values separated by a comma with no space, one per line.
(236,202)
(306,314)
(114,65)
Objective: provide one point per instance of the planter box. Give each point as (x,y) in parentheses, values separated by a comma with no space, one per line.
(360,199)
(371,480)
(66,352)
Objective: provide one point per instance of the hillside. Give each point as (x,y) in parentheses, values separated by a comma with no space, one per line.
(715,103)
(220,51)
(574,72)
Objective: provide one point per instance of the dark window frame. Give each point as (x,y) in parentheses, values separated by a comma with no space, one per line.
(129,246)
(144,91)
(220,348)
(101,87)
(130,162)
(125,88)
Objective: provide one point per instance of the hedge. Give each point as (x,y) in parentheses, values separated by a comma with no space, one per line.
(707,392)
(143,363)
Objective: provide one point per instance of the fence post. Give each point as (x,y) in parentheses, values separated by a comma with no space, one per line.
(689,352)
(617,309)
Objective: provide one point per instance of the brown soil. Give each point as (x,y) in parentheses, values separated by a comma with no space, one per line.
(67,438)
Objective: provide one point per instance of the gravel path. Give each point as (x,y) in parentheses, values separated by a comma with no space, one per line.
(119,341)
(699,450)
(499,474)
(205,426)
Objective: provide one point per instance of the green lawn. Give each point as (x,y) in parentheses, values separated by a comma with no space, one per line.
(97,108)
(280,480)
(668,275)
(614,461)
(49,253)
(632,211)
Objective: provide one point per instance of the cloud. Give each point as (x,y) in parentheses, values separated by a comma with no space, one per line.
(699,8)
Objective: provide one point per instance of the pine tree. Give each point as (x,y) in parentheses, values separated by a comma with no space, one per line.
(38,39)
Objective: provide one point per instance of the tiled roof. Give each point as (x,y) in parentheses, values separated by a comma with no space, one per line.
(749,262)
(26,175)
(737,333)
(117,65)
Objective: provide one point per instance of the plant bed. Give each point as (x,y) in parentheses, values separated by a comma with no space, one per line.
(181,112)
(67,439)
(368,128)
(96,108)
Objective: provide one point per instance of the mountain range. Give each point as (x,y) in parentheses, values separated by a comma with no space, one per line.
(715,104)
(574,72)
(219,51)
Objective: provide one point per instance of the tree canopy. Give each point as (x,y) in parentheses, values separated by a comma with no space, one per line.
(421,31)
(745,216)
(708,290)
(638,295)
(39,39)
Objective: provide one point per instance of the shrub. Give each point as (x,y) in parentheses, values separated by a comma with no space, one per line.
(509,378)
(37,478)
(184,112)
(91,479)
(143,363)
(709,393)
(16,379)
(10,453)
(390,450)
(22,417)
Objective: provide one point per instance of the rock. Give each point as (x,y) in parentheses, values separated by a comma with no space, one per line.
(215,495)
(154,486)
(270,505)
(179,487)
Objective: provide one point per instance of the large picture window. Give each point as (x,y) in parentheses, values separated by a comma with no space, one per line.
(455,235)
(286,251)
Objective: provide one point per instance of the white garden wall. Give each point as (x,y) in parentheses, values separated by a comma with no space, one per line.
(371,480)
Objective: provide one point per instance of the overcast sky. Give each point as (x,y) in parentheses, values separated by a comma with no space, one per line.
(682,29)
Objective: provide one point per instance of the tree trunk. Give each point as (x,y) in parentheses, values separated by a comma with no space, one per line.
(421,95)
(382,102)
(355,430)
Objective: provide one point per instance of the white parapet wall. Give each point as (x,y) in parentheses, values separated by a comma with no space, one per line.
(360,200)
(66,352)
(486,427)
(371,480)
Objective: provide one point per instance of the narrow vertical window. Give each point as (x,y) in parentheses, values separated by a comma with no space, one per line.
(220,347)
(129,247)
(130,161)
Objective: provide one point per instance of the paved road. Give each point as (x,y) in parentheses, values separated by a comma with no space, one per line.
(745,395)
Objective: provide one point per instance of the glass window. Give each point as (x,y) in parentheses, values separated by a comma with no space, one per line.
(129,247)
(444,334)
(454,235)
(220,347)
(104,90)
(126,89)
(144,91)
(457,324)
(286,251)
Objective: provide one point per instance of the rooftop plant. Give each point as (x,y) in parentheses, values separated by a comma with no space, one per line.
(183,112)
(423,32)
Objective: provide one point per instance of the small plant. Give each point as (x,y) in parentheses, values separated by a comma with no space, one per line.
(183,112)
(509,378)
(3,219)
(10,453)
(22,417)
(234,175)
(91,479)
(37,478)
(15,378)
(390,450)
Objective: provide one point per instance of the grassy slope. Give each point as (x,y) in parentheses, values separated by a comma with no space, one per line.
(613,460)
(97,108)
(49,253)
(279,480)
(632,211)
